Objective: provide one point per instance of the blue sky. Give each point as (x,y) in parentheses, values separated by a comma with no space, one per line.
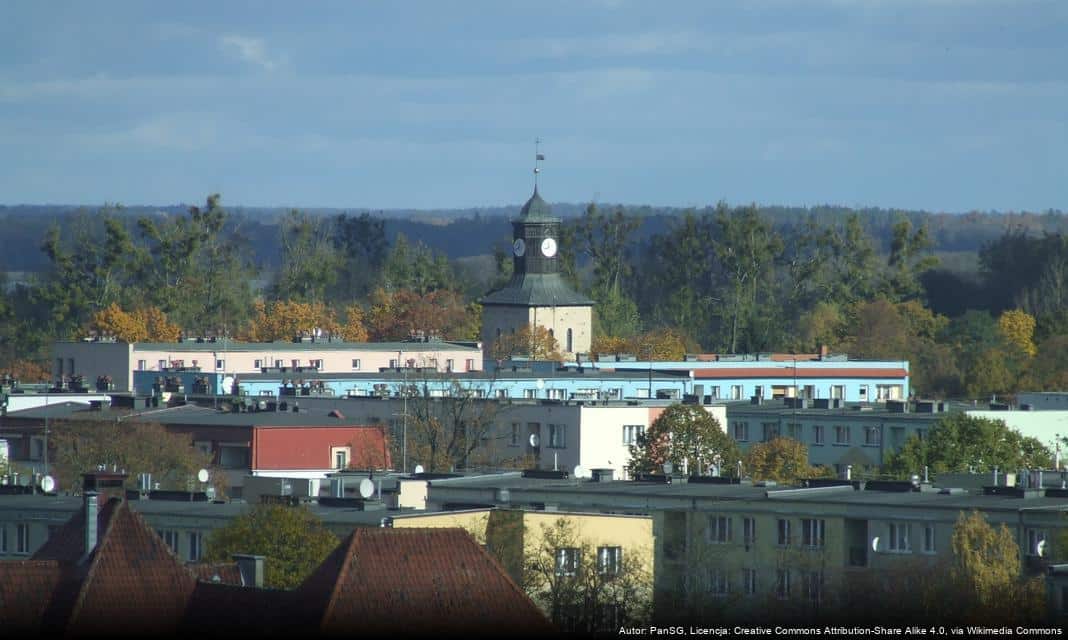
(939,104)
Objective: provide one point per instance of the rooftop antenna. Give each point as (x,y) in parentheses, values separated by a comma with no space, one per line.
(538,157)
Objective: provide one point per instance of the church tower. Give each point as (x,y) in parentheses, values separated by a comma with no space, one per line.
(537,294)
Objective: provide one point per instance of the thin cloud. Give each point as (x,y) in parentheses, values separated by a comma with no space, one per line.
(251,50)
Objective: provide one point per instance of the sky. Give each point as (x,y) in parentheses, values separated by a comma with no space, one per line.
(944,105)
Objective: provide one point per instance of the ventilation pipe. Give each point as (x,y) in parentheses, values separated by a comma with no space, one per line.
(92,509)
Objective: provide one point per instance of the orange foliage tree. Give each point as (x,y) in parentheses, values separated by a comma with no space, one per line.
(659,344)
(353,329)
(396,315)
(28,371)
(284,319)
(139,325)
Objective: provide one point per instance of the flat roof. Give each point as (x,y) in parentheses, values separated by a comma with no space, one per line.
(318,345)
(311,415)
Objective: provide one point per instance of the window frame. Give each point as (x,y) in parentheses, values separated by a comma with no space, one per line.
(566,562)
(898,543)
(784,534)
(609,561)
(813,533)
(718,529)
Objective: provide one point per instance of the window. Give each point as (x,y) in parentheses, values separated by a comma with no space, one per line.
(838,392)
(142,365)
(749,581)
(295,362)
(469,365)
(794,431)
(900,538)
(1036,542)
(749,532)
(771,430)
(741,431)
(567,561)
(782,584)
(170,537)
(812,586)
(530,393)
(59,367)
(897,437)
(22,538)
(514,442)
(736,392)
(929,538)
(258,364)
(817,434)
(70,366)
(220,364)
(278,364)
(195,546)
(355,364)
(713,392)
(841,434)
(318,364)
(3,539)
(502,393)
(340,456)
(557,436)
(631,433)
(719,529)
(812,533)
(450,364)
(784,532)
(161,365)
(873,436)
(609,560)
(718,584)
(570,342)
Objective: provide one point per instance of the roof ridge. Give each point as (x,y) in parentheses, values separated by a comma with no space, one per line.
(94,559)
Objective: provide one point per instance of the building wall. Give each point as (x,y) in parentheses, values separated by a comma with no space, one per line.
(94,359)
(1047,425)
(119,360)
(502,320)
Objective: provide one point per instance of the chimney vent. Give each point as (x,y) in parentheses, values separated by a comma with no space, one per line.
(91,512)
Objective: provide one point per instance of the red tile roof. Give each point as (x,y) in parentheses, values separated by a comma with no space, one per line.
(219,573)
(418,581)
(26,593)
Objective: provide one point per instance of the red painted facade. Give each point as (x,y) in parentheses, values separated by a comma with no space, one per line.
(277,448)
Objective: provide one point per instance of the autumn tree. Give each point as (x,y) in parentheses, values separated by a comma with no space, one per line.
(688,437)
(987,571)
(659,344)
(536,343)
(353,328)
(959,443)
(580,587)
(79,446)
(292,540)
(282,320)
(1018,328)
(398,314)
(449,425)
(140,325)
(780,459)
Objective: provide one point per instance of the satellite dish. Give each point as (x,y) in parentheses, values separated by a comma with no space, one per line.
(580,471)
(540,383)
(534,440)
(875,544)
(1040,548)
(202,475)
(367,488)
(48,483)
(668,468)
(418,468)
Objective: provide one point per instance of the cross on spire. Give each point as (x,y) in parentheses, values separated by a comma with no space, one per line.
(538,157)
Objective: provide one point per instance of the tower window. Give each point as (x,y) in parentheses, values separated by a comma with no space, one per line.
(569,341)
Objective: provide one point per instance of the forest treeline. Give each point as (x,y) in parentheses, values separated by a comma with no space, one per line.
(723,279)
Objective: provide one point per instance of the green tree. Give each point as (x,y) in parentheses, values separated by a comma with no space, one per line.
(360,242)
(959,443)
(293,541)
(686,436)
(310,260)
(416,268)
(908,259)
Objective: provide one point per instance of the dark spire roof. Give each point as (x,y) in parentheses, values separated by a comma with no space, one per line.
(537,210)
(536,290)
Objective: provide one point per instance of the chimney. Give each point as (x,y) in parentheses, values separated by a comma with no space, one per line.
(251,568)
(91,512)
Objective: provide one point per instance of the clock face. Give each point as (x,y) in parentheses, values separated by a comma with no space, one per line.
(548,247)
(519,247)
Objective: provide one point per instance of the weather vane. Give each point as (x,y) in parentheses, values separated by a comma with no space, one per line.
(538,157)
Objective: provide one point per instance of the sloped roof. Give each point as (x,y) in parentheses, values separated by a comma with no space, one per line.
(217,573)
(28,592)
(135,575)
(536,290)
(417,581)
(68,543)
